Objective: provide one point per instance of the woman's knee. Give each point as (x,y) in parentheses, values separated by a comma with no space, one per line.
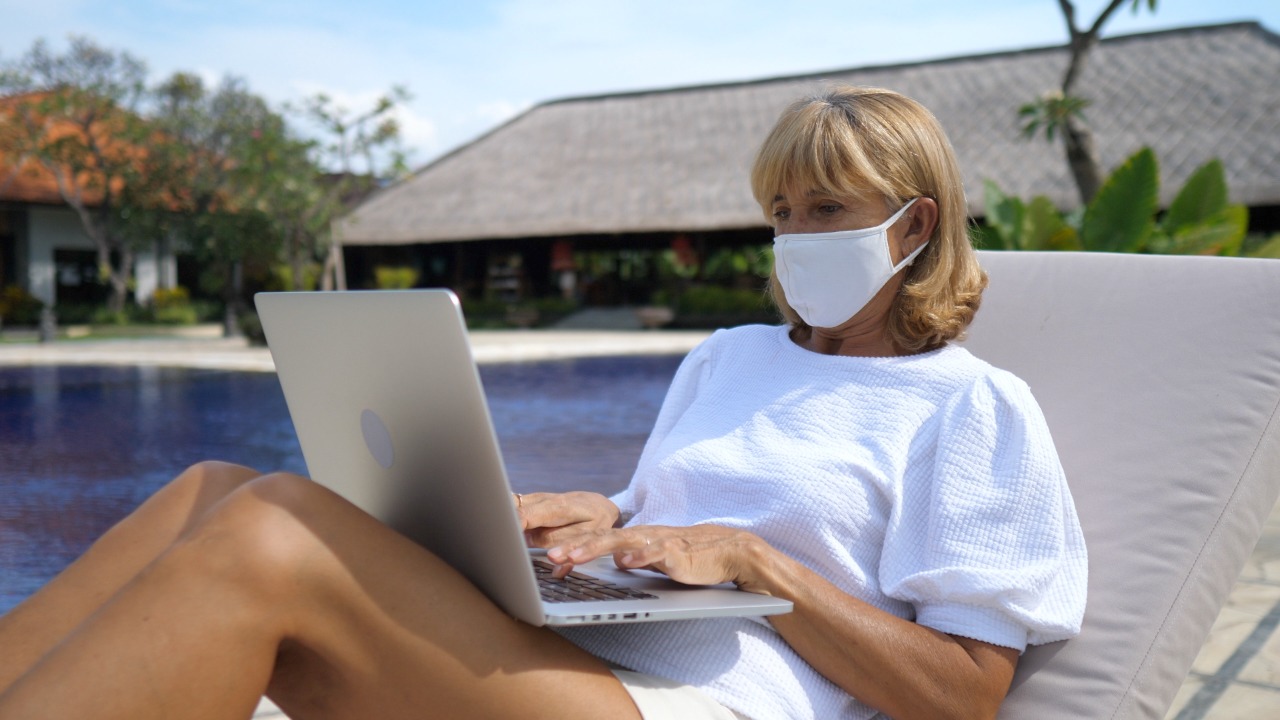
(258,533)
(215,478)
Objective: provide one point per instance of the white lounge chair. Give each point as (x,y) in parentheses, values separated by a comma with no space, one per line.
(1160,380)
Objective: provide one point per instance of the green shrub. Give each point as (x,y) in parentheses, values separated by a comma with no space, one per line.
(105,316)
(282,276)
(208,310)
(175,315)
(77,313)
(172,306)
(170,297)
(480,307)
(19,307)
(716,300)
(395,278)
(251,326)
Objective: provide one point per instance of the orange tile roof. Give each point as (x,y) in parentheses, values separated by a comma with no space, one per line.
(26,179)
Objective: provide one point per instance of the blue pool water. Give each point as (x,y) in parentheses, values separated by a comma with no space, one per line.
(80,447)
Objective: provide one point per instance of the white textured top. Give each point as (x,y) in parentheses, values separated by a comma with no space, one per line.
(927,485)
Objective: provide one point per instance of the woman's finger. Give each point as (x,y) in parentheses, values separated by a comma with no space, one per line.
(599,543)
(546,537)
(553,510)
(699,555)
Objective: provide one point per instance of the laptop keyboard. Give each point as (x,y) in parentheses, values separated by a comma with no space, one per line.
(580,586)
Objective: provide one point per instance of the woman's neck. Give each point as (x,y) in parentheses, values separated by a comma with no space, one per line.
(870,341)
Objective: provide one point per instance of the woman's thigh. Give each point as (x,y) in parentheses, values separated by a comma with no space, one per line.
(376,626)
(42,621)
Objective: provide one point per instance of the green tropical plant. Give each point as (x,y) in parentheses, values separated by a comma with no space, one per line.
(1200,219)
(1123,216)
(1050,112)
(1120,217)
(1266,248)
(1016,225)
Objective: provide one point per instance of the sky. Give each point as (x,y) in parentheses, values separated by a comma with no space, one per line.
(471,65)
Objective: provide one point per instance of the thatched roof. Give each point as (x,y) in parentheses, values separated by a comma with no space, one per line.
(678,159)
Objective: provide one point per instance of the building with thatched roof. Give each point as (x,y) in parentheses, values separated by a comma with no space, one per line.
(641,169)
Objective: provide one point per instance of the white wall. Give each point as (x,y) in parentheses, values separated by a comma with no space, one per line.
(49,229)
(52,229)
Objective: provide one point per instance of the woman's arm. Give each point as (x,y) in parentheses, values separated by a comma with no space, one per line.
(903,669)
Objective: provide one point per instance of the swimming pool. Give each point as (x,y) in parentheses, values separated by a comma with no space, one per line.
(80,447)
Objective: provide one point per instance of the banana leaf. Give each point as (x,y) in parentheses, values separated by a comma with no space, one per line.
(1119,219)
(1269,249)
(1203,196)
(1219,234)
(1005,215)
(1045,229)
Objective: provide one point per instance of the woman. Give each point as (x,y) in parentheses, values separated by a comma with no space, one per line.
(903,494)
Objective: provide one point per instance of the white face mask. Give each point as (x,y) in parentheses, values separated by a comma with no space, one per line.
(829,277)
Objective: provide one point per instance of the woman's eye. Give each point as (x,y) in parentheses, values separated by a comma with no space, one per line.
(781,214)
(829,209)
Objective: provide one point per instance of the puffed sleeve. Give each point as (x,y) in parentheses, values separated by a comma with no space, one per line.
(691,374)
(986,543)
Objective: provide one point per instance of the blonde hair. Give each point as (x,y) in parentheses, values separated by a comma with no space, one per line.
(858,141)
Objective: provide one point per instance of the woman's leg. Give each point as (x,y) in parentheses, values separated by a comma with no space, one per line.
(33,627)
(284,587)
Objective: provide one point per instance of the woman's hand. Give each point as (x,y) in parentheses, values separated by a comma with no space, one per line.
(698,555)
(549,518)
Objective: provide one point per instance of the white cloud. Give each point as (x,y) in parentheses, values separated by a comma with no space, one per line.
(498,111)
(419,134)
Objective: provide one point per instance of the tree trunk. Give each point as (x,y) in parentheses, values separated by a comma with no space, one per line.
(231,297)
(296,268)
(326,273)
(118,275)
(334,276)
(1082,158)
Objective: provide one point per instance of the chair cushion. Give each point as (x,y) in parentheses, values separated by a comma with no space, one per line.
(1160,380)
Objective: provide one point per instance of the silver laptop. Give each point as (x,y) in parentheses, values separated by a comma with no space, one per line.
(388,407)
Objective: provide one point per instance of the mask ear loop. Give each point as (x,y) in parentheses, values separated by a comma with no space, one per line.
(910,258)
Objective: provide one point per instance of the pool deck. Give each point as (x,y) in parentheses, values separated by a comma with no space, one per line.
(487,346)
(1236,675)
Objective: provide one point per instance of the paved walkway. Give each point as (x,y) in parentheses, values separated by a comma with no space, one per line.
(235,354)
(1235,677)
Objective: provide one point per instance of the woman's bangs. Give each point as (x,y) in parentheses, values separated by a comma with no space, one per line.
(810,153)
(833,160)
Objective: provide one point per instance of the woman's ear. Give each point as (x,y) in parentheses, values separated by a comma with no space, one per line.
(917,226)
